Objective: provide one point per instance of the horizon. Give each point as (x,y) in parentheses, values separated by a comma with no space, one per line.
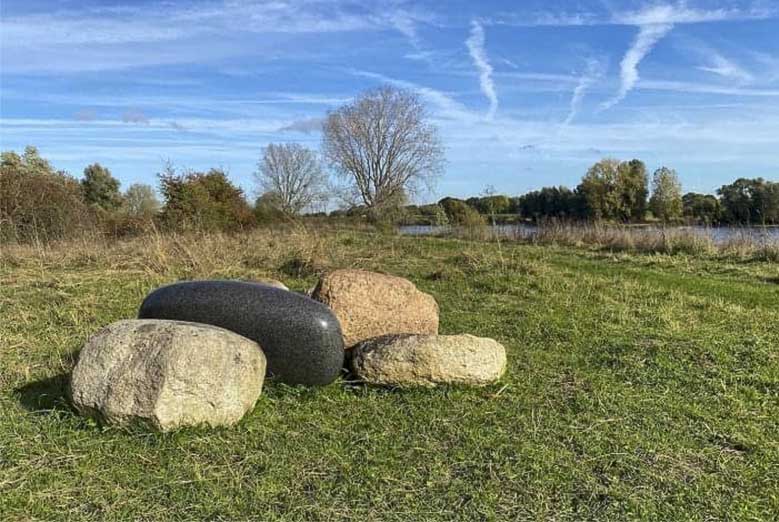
(524,97)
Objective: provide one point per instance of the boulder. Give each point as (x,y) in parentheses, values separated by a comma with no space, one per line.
(428,360)
(300,337)
(167,374)
(369,304)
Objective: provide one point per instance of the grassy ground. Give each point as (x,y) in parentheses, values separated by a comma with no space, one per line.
(639,387)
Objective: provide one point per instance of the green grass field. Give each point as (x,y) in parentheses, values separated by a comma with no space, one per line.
(639,387)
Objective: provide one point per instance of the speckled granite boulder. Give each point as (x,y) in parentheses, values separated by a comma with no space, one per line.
(270,282)
(427,360)
(167,375)
(301,338)
(369,304)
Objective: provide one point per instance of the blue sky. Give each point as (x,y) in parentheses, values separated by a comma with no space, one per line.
(525,94)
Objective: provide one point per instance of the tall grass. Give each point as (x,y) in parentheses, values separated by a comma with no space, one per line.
(745,245)
(291,248)
(306,249)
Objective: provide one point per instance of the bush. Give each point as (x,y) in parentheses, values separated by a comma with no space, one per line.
(203,201)
(460,213)
(266,209)
(139,201)
(100,188)
(37,203)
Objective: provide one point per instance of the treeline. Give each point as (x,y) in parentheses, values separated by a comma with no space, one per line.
(618,191)
(38,202)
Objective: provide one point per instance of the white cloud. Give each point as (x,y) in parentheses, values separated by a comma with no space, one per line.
(86,115)
(654,22)
(135,116)
(102,39)
(712,61)
(702,88)
(475,43)
(446,106)
(681,14)
(648,36)
(677,13)
(593,72)
(726,68)
(306,126)
(769,64)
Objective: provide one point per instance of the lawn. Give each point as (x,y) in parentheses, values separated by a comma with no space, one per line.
(639,387)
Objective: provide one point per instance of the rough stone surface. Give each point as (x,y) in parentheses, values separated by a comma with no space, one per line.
(167,374)
(369,304)
(427,360)
(301,338)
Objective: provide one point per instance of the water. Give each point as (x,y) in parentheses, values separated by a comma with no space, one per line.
(522,231)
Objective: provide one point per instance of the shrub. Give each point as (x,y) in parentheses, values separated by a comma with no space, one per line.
(38,203)
(203,201)
(100,188)
(140,201)
(266,209)
(461,214)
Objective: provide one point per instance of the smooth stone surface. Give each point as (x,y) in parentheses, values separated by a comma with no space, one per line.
(428,360)
(167,374)
(369,304)
(301,338)
(270,282)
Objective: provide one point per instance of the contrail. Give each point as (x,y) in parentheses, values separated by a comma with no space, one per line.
(648,36)
(475,43)
(586,79)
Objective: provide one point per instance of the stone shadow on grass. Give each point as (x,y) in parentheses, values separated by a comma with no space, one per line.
(45,395)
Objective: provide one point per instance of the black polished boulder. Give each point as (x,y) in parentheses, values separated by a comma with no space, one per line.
(301,337)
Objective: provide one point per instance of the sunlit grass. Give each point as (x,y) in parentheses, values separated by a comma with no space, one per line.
(639,386)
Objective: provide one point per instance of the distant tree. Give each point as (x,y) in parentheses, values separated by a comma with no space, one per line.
(552,202)
(434,214)
(267,208)
(766,201)
(140,201)
(514,205)
(489,203)
(203,200)
(615,190)
(37,202)
(666,200)
(100,188)
(383,144)
(632,187)
(458,212)
(599,190)
(702,208)
(750,201)
(294,175)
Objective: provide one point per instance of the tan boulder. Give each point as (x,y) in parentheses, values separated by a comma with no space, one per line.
(368,304)
(428,360)
(167,374)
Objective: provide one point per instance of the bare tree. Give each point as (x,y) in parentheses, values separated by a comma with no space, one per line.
(294,175)
(383,145)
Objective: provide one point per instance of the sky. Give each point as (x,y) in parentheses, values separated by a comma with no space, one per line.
(525,94)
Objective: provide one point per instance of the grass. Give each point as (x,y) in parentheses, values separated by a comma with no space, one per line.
(640,386)
(745,244)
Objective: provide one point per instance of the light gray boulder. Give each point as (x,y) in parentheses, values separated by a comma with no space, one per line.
(167,375)
(428,360)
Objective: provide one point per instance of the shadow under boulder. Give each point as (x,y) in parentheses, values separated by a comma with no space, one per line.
(46,394)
